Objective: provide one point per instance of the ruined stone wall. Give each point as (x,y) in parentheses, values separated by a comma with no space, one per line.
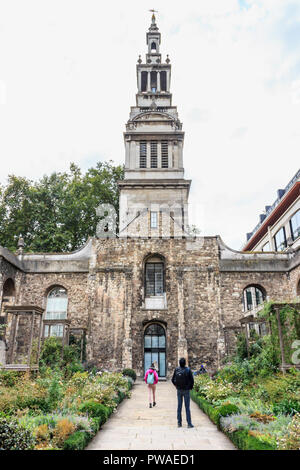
(35,288)
(191,317)
(7,271)
(232,285)
(294,282)
(109,300)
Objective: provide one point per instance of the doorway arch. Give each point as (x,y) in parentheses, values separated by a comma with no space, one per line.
(155,348)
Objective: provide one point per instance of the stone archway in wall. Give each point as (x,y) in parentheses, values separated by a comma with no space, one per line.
(8,294)
(155,348)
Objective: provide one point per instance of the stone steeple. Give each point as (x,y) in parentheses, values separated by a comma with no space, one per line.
(154,175)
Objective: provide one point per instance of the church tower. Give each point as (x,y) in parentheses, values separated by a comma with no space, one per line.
(154,193)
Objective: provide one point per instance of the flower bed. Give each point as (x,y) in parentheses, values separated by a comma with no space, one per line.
(262,414)
(55,412)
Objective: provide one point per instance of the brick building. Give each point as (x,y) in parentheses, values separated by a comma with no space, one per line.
(155,291)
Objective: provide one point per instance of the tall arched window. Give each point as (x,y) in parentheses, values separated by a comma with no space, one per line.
(155,348)
(153,47)
(253,296)
(57,305)
(154,276)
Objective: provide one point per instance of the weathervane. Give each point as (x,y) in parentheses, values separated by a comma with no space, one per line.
(153,11)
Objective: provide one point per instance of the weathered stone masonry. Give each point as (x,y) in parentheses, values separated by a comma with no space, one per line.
(105,286)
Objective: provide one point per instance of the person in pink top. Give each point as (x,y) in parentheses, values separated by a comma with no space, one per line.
(151,379)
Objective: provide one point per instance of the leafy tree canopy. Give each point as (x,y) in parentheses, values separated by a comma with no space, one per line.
(58,212)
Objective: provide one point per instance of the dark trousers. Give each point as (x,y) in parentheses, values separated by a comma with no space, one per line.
(183,394)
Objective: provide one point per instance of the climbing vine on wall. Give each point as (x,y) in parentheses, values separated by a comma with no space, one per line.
(290,327)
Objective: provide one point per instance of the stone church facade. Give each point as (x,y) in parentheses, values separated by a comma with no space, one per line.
(155,291)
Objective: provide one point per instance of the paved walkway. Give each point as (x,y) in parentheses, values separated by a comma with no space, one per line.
(136,426)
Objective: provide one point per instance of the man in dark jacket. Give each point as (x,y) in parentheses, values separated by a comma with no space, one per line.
(184,381)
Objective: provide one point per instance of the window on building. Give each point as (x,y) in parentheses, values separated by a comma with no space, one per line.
(164,154)
(163,80)
(295,225)
(280,240)
(153,220)
(249,302)
(153,154)
(153,78)
(57,304)
(154,276)
(266,247)
(153,47)
(253,296)
(54,330)
(143,154)
(144,79)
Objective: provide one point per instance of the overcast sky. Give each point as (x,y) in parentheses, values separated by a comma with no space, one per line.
(68,79)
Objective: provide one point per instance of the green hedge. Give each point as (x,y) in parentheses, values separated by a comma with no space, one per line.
(99,414)
(244,441)
(129,373)
(95,410)
(241,438)
(77,441)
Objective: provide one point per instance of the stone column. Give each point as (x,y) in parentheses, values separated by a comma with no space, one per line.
(168,80)
(180,154)
(127,343)
(271,240)
(139,80)
(182,350)
(91,292)
(127,154)
(158,81)
(148,82)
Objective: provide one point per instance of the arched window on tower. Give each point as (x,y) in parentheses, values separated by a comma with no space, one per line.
(153,47)
(253,297)
(56,310)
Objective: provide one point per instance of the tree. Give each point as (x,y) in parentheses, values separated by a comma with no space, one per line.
(58,212)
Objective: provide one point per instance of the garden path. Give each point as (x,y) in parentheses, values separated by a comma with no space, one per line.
(136,426)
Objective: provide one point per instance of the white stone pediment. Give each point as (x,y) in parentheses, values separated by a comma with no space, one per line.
(153,116)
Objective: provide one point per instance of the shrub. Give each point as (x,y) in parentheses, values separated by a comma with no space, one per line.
(77,441)
(9,378)
(130,373)
(95,410)
(228,409)
(291,440)
(249,440)
(41,432)
(15,437)
(287,407)
(263,418)
(51,352)
(63,430)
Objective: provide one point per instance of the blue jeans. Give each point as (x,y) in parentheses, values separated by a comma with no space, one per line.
(186,395)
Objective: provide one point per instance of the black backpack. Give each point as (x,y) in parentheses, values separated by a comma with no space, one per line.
(181,378)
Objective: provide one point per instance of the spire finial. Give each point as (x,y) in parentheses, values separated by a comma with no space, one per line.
(21,244)
(153,15)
